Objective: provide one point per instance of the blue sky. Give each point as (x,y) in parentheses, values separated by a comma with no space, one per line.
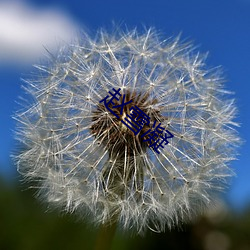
(221,27)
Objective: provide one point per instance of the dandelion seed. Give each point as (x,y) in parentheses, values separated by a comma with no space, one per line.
(87,160)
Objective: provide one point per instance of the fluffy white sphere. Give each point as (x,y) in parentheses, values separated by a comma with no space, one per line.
(85,159)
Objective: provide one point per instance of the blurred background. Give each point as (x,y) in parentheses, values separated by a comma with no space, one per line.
(29,28)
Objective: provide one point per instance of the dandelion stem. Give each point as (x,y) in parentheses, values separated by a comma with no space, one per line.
(105,236)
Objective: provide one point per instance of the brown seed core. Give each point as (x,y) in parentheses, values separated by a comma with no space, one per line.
(116,136)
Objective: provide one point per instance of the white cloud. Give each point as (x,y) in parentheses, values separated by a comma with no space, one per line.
(25,31)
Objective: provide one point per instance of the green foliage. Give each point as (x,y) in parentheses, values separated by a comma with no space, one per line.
(25,226)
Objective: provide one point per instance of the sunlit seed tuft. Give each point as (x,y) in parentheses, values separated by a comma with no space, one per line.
(86,160)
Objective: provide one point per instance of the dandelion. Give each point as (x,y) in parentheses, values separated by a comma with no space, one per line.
(85,159)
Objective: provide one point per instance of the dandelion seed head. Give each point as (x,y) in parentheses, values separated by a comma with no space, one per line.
(86,160)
